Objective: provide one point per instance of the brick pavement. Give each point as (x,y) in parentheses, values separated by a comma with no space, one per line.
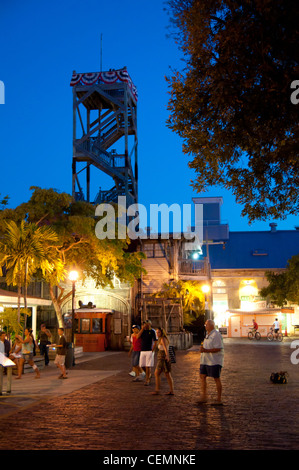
(116,414)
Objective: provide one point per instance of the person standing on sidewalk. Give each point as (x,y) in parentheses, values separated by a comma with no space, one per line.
(60,353)
(27,353)
(148,343)
(15,353)
(163,362)
(4,344)
(135,353)
(43,339)
(211,361)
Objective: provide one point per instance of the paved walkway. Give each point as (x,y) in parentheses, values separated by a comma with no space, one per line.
(99,407)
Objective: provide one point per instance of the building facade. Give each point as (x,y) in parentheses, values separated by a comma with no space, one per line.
(232,264)
(114,301)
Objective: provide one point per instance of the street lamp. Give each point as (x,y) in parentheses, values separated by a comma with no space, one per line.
(205,288)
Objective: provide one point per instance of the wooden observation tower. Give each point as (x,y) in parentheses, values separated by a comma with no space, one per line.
(104,135)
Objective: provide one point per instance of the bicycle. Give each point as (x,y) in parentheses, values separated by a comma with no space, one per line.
(254,334)
(274,336)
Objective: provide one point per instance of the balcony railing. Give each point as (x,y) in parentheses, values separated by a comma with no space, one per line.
(193,267)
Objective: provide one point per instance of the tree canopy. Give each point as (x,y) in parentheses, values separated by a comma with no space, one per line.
(75,245)
(283,287)
(3,201)
(231,102)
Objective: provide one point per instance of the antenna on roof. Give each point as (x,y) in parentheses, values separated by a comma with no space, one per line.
(101,63)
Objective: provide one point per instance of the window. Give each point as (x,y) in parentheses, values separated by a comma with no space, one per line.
(85,325)
(154,250)
(97,325)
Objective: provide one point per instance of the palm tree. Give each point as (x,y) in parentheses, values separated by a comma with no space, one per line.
(24,249)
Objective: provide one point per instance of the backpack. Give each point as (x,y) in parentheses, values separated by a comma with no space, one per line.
(279,377)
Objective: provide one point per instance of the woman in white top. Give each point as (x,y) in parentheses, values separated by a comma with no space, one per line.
(16,351)
(163,362)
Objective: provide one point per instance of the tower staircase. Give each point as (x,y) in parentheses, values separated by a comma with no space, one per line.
(105,134)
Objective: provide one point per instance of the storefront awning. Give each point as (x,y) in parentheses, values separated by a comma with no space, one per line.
(8,298)
(262,311)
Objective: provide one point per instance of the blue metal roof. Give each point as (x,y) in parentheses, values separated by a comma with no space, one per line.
(255,250)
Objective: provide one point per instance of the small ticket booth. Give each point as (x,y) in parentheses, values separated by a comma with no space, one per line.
(93,329)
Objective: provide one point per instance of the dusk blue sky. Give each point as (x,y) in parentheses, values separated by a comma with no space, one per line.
(42,42)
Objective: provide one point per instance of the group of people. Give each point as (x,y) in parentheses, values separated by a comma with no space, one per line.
(23,350)
(144,343)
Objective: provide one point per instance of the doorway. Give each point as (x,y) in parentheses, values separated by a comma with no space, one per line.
(235,326)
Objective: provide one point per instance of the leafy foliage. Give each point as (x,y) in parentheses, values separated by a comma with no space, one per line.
(10,322)
(191,296)
(24,249)
(283,287)
(73,245)
(3,202)
(231,103)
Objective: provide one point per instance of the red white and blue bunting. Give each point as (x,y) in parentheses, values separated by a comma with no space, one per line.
(112,76)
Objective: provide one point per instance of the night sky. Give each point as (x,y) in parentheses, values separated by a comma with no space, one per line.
(42,42)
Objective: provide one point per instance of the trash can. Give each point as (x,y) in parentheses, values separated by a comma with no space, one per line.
(69,357)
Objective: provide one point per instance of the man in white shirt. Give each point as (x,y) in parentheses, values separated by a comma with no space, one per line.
(276,327)
(211,361)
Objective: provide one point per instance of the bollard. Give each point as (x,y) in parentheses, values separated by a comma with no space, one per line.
(70,356)
(6,362)
(9,379)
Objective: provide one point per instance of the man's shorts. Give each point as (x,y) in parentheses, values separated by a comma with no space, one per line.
(135,358)
(210,371)
(146,359)
(59,359)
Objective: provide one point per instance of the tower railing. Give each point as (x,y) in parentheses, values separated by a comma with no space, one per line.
(113,96)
